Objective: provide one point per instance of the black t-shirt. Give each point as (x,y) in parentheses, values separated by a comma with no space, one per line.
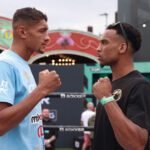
(132,93)
(50,133)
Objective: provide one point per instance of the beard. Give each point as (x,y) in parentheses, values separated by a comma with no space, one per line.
(46,118)
(40,51)
(35,50)
(102,65)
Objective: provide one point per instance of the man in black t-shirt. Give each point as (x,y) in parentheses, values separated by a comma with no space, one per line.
(123,110)
(49,135)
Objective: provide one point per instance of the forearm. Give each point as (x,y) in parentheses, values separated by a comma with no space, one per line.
(53,138)
(13,115)
(129,135)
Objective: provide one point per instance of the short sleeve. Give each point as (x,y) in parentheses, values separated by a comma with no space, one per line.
(138,109)
(82,117)
(7,83)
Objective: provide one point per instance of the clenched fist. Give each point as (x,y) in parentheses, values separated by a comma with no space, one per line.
(102,88)
(49,81)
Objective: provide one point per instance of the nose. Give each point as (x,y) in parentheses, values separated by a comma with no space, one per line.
(99,48)
(47,38)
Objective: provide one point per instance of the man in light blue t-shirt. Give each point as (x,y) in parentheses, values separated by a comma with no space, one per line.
(20,109)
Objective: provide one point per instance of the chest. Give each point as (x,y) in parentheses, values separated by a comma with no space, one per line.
(25,80)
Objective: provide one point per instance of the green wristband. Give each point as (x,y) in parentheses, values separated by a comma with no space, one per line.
(105,100)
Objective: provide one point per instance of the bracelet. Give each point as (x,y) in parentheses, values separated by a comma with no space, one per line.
(49,141)
(105,100)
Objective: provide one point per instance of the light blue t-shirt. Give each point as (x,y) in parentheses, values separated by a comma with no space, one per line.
(16,82)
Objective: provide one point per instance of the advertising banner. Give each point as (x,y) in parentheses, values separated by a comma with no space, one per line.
(65,111)
(6,34)
(70,42)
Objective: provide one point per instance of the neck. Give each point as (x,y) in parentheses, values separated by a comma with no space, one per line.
(46,119)
(121,69)
(19,48)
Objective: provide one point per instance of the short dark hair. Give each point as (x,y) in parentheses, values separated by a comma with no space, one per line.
(28,14)
(132,34)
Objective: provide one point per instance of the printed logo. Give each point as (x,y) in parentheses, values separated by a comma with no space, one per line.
(117,94)
(36,118)
(40,131)
(72,95)
(53,115)
(4,87)
(26,76)
(46,100)
(31,87)
(62,95)
(46,131)
(77,144)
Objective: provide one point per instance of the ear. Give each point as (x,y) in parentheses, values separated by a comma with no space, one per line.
(22,31)
(122,48)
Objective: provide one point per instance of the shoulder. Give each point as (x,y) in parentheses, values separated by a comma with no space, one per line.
(92,117)
(136,84)
(6,61)
(135,78)
(5,57)
(7,68)
(140,81)
(141,86)
(84,112)
(92,113)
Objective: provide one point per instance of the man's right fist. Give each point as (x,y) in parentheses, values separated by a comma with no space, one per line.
(49,81)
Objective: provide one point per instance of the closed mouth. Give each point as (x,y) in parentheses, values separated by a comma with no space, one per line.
(99,57)
(44,45)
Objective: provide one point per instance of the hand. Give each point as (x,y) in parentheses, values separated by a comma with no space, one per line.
(46,143)
(49,81)
(102,88)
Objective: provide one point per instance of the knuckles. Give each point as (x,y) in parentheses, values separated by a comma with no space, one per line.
(49,77)
(95,86)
